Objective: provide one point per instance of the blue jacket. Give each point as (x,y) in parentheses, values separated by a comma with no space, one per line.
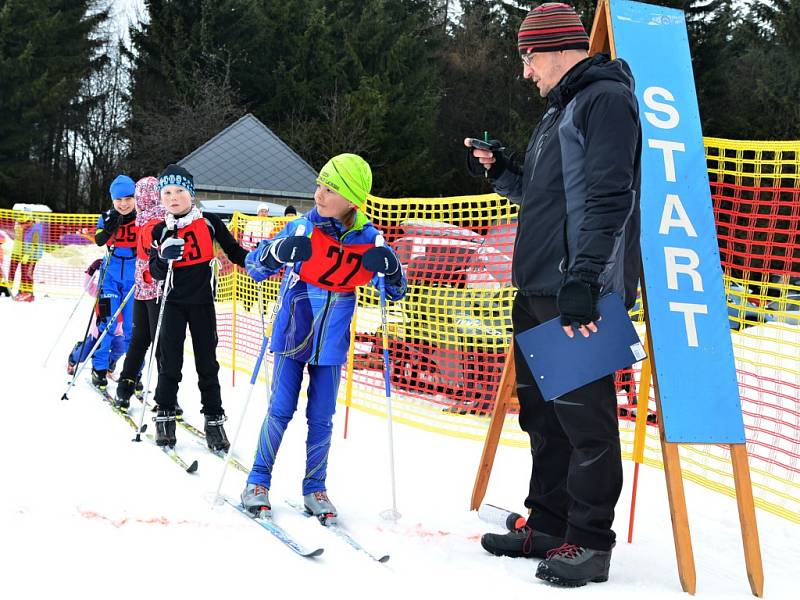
(313,323)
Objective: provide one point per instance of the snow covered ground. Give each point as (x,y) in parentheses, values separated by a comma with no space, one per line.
(84,512)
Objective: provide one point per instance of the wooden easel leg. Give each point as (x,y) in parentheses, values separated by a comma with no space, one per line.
(504,392)
(680,518)
(747,518)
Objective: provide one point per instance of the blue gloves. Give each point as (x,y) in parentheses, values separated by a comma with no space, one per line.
(171,249)
(382,260)
(291,249)
(577,299)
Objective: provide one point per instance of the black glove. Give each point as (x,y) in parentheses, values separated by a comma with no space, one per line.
(577,299)
(382,260)
(111,221)
(292,249)
(171,249)
(501,160)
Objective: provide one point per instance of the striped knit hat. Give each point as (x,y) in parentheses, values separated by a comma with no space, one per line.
(552,27)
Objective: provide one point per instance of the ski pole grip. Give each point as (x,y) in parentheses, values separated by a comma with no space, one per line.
(379,241)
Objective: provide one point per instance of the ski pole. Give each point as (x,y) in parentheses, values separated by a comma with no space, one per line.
(262,310)
(91,315)
(63,329)
(154,344)
(288,269)
(111,323)
(390,514)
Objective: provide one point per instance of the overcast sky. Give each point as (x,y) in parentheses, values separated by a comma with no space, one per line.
(123,12)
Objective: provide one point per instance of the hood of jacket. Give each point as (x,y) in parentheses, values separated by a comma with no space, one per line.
(148,201)
(599,67)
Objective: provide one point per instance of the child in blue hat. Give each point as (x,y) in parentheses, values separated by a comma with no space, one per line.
(116,229)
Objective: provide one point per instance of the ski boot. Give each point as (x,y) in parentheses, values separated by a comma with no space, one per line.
(574,566)
(178,411)
(99,379)
(215,433)
(165,428)
(124,392)
(319,505)
(71,366)
(255,500)
(138,389)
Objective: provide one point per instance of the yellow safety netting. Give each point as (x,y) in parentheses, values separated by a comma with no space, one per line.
(449,337)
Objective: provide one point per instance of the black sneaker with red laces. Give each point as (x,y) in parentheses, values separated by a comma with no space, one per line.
(523,542)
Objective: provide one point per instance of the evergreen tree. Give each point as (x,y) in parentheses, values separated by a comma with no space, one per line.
(47,49)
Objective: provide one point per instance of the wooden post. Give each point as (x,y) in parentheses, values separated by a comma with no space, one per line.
(747,518)
(235,275)
(601,39)
(672,470)
(506,398)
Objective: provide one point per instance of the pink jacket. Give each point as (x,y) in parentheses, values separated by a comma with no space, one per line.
(148,208)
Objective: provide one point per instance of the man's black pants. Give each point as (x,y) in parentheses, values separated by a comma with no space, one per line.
(202,322)
(577,468)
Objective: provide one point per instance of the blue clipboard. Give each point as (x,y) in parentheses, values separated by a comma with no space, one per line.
(561,364)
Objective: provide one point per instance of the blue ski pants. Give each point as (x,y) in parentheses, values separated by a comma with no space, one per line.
(323,387)
(115,291)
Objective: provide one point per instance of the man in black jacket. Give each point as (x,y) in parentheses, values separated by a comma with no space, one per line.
(577,238)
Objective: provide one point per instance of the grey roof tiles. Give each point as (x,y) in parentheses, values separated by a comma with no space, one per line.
(248,158)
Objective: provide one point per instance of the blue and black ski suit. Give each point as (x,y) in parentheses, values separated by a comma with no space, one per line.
(118,270)
(312,328)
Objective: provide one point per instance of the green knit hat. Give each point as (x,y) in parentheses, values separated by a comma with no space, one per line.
(348,175)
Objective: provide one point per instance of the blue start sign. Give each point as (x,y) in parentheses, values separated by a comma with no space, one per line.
(687,313)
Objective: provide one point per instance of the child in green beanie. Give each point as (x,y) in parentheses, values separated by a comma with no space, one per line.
(329,252)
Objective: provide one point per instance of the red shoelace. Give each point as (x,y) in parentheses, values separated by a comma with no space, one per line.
(565,550)
(527,545)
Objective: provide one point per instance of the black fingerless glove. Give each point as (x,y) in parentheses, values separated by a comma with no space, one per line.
(577,299)
(476,169)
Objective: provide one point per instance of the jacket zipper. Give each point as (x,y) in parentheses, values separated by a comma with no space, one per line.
(322,326)
(542,140)
(328,302)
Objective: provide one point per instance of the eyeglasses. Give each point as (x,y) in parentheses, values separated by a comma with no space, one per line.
(527,58)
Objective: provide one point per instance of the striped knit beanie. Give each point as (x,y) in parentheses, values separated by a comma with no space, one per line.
(552,27)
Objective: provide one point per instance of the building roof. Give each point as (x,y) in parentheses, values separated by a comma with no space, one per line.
(248,158)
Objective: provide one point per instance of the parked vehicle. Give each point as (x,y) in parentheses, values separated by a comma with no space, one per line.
(452,339)
(786,309)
